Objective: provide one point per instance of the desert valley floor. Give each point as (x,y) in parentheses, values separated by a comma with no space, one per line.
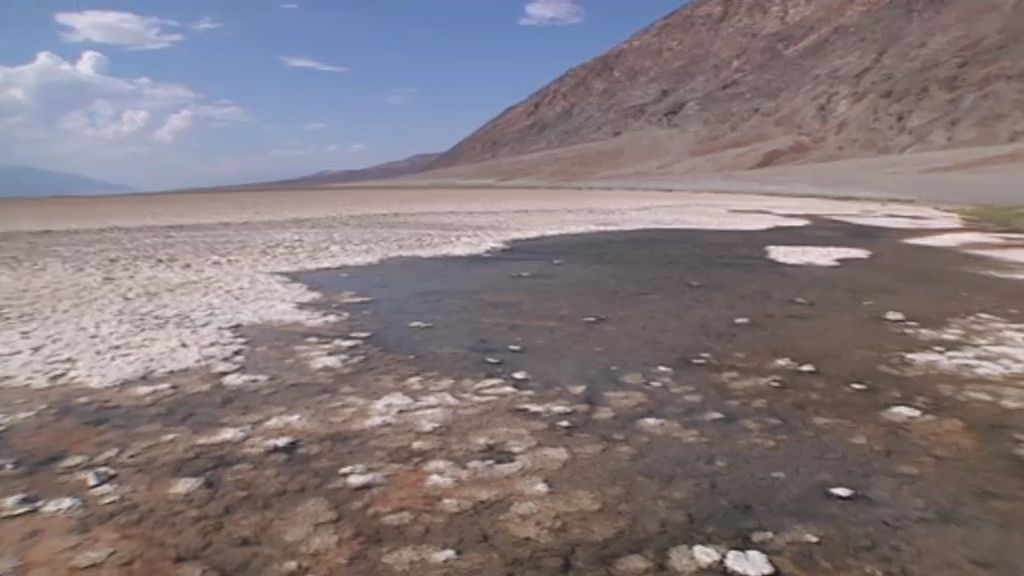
(494,382)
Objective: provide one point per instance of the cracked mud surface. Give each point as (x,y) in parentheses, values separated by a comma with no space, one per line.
(648,420)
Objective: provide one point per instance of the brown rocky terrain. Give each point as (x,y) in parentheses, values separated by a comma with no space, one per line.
(777,82)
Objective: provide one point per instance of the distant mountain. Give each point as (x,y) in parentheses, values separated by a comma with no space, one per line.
(405,167)
(28,181)
(790,81)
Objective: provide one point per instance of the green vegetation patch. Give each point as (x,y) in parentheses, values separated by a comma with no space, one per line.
(1001,218)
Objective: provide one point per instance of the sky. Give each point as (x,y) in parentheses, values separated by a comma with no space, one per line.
(162,95)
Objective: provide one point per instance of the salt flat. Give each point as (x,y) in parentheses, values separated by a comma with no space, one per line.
(127,286)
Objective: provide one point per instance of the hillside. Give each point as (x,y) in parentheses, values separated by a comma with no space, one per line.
(404,167)
(778,82)
(28,181)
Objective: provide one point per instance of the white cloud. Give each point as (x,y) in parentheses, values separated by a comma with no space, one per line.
(289,6)
(206,23)
(357,147)
(400,96)
(333,148)
(57,101)
(315,126)
(552,13)
(119,28)
(302,62)
(101,119)
(175,125)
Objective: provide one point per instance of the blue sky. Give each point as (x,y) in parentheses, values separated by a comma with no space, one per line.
(160,94)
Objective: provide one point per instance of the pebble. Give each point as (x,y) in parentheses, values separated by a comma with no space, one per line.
(594,319)
(901,413)
(99,476)
(420,325)
(632,565)
(858,386)
(515,348)
(353,469)
(748,563)
(700,361)
(241,380)
(494,361)
(664,369)
(741,321)
(348,343)
(762,536)
(61,505)
(106,456)
(364,481)
(91,558)
(842,492)
(223,436)
(713,416)
(73,462)
(807,369)
(894,316)
(520,376)
(186,485)
(802,301)
(360,335)
(406,559)
(285,444)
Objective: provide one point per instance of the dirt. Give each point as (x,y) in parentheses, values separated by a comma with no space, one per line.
(617,449)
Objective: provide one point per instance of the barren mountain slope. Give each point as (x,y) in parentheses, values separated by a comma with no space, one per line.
(804,80)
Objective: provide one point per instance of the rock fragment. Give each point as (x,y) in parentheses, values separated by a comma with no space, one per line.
(281,445)
(72,462)
(241,380)
(67,505)
(748,563)
(365,481)
(515,348)
(842,493)
(632,565)
(901,414)
(520,376)
(223,436)
(408,558)
(18,505)
(91,558)
(99,476)
(186,485)
(420,325)
(894,316)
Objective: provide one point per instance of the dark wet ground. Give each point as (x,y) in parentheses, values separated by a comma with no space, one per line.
(638,462)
